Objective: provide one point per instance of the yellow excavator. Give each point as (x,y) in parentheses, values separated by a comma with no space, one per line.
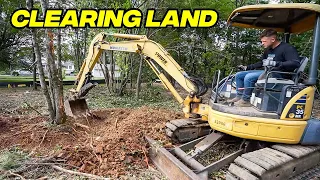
(279,136)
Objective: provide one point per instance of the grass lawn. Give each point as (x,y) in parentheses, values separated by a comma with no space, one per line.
(30,78)
(15,78)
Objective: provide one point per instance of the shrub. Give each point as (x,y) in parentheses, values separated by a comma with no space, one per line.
(15,73)
(11,158)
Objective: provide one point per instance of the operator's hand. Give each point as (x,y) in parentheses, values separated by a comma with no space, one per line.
(269,63)
(242,68)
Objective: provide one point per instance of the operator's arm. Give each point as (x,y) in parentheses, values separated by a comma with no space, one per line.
(258,64)
(292,60)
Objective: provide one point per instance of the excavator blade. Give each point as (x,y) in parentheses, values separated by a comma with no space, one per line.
(180,162)
(272,162)
(76,108)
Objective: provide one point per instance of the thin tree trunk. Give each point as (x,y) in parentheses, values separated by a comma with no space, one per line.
(131,72)
(193,69)
(123,85)
(105,78)
(34,70)
(85,41)
(57,97)
(235,60)
(49,73)
(104,70)
(112,72)
(138,86)
(59,56)
(41,74)
(39,65)
(125,79)
(77,49)
(60,113)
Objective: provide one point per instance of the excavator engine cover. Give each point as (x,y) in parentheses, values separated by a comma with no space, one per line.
(75,108)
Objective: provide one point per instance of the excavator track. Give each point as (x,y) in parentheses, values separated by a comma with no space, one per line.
(185,130)
(276,163)
(313,174)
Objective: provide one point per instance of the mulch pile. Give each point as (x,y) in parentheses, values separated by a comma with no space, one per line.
(111,145)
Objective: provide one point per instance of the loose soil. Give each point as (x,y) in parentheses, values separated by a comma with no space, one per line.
(111,145)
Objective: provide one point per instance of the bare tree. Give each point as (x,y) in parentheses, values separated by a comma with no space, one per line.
(34,70)
(138,85)
(40,67)
(57,85)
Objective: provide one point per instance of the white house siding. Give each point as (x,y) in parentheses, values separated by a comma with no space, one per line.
(98,72)
(68,66)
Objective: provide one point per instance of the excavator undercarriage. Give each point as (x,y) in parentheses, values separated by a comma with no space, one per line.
(185,130)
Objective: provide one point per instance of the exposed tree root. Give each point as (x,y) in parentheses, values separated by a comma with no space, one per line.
(78,173)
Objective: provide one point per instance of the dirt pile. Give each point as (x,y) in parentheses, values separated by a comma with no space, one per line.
(110,146)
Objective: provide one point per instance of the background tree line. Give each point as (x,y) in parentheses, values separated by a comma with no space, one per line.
(200,51)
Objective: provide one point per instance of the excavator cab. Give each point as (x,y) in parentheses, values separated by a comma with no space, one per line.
(271,94)
(268,91)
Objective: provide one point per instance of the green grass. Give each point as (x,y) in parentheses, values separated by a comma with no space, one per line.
(12,158)
(15,78)
(152,96)
(30,78)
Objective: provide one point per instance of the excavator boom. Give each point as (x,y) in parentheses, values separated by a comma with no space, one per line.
(155,56)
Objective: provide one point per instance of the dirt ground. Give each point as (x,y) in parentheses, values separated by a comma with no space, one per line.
(111,144)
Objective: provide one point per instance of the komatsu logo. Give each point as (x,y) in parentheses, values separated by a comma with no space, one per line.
(118,48)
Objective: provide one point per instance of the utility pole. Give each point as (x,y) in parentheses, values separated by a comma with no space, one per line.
(237,36)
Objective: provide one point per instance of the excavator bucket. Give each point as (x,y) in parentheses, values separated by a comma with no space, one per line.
(76,108)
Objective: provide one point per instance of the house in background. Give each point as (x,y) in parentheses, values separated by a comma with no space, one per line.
(98,71)
(67,65)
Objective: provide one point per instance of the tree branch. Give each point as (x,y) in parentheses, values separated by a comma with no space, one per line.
(78,173)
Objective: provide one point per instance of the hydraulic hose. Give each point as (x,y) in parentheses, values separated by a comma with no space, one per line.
(202,88)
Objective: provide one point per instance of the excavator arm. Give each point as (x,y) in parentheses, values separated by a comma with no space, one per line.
(154,54)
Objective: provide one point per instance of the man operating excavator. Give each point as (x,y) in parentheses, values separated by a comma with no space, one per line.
(284,56)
